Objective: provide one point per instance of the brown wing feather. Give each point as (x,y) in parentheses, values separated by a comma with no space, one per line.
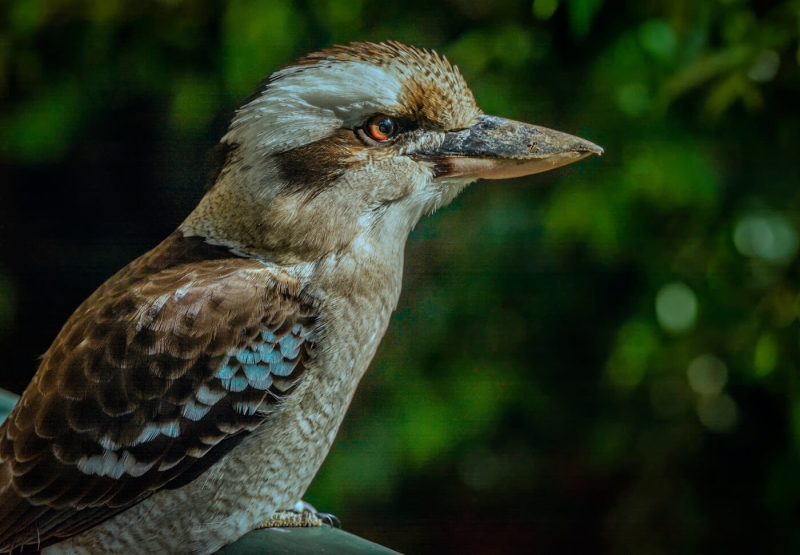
(152,380)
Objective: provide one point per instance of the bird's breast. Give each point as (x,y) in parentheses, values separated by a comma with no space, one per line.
(272,469)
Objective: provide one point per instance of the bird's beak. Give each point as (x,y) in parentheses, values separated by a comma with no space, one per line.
(498,148)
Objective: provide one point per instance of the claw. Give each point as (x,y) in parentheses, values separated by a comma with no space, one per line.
(329,519)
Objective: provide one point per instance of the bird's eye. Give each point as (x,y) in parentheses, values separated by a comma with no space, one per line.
(381,127)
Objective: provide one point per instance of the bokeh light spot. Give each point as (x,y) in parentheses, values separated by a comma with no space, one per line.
(766,355)
(676,308)
(770,237)
(658,38)
(765,66)
(635,345)
(718,414)
(707,375)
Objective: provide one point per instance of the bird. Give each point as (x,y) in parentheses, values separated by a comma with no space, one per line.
(194,395)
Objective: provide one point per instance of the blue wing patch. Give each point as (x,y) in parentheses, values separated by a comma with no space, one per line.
(269,356)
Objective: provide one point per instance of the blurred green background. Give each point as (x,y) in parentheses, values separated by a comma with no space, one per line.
(601,359)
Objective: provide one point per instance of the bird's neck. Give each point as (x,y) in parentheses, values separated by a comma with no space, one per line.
(323,239)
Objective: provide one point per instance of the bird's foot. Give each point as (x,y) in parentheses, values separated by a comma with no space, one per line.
(302,515)
(291,519)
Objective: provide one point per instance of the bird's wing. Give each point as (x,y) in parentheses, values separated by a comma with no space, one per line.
(145,388)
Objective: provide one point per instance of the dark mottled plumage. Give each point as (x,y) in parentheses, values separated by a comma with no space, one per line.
(135,376)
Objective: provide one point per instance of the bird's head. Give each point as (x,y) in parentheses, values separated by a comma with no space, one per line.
(359,142)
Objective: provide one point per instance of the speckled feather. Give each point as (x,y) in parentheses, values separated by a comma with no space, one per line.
(155,377)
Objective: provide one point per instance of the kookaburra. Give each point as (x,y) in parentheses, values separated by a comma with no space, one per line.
(198,390)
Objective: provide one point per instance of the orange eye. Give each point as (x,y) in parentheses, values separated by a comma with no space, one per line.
(381,127)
